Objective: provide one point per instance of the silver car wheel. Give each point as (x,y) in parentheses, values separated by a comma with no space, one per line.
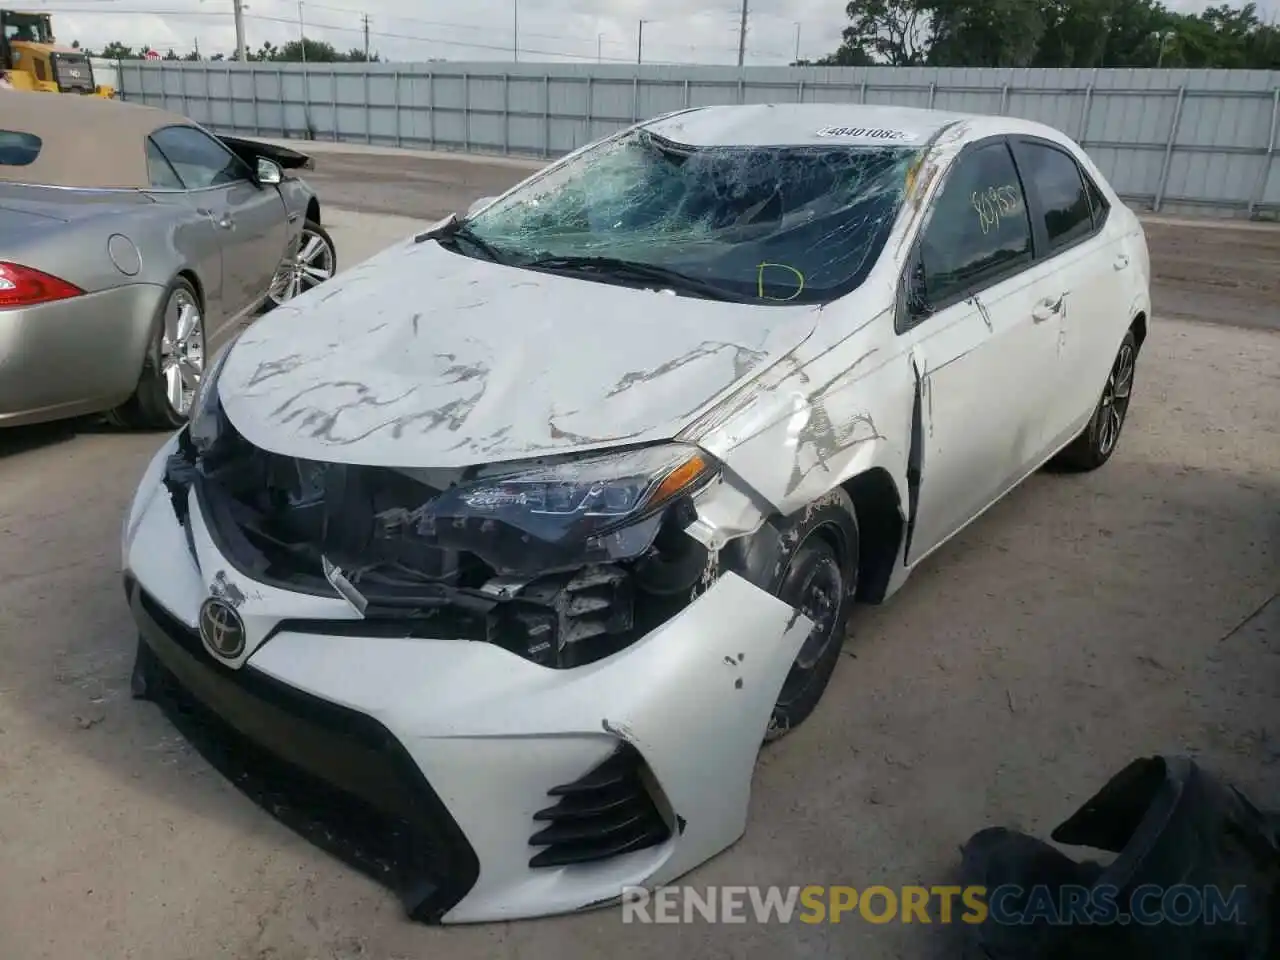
(311,266)
(182,350)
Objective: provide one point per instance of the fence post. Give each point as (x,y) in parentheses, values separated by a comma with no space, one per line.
(591,106)
(1260,192)
(182,91)
(231,99)
(864,91)
(142,84)
(396,78)
(933,92)
(1084,114)
(800,92)
(431,108)
(635,99)
(1004,99)
(306,101)
(368,109)
(546,114)
(466,112)
(687,97)
(1168,149)
(253,91)
(506,110)
(333,100)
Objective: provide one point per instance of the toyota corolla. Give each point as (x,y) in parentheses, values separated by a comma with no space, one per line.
(514,543)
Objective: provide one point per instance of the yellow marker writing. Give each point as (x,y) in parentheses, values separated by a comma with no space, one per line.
(781,266)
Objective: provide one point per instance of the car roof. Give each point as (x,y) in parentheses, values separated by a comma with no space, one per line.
(803,124)
(86,141)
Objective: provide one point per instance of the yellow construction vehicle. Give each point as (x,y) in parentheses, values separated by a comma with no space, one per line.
(32,59)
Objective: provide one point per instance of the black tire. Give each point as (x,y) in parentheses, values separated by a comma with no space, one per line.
(820,579)
(330,254)
(1099,440)
(150,407)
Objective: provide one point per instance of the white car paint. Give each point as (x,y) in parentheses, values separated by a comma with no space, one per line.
(425,359)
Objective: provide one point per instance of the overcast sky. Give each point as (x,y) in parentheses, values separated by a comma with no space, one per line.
(684,31)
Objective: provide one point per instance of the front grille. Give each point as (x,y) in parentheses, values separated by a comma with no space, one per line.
(335,776)
(608,812)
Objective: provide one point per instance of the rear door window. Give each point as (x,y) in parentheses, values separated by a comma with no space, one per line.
(18,149)
(1055,178)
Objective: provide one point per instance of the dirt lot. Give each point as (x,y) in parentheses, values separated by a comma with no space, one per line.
(1082,622)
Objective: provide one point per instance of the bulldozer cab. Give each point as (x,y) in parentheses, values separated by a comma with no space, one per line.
(32,59)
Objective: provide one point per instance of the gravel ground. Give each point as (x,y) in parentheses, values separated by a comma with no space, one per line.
(1082,622)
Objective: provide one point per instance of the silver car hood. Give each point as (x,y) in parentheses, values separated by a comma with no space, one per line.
(421,357)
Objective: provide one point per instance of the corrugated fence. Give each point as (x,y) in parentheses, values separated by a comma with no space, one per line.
(1176,141)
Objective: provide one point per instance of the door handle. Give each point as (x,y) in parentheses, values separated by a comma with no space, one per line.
(1121,261)
(224,221)
(1048,307)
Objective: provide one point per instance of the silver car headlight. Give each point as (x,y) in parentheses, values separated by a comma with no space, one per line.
(205,419)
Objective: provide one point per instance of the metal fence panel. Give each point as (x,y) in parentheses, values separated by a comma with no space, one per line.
(1178,141)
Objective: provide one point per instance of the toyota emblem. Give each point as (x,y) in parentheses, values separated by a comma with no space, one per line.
(221,628)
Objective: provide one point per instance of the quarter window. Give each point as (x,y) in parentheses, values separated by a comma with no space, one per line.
(159,171)
(979,230)
(1055,178)
(199,159)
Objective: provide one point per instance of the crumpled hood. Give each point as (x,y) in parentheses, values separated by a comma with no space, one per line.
(421,357)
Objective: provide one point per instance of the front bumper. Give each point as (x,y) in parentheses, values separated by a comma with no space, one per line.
(459,748)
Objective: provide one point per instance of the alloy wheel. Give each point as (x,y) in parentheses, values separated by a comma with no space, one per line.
(182,350)
(1115,400)
(310,266)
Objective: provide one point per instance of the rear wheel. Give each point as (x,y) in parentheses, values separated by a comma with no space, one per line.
(172,367)
(315,261)
(1098,442)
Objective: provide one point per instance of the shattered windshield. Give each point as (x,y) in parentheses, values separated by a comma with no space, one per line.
(800,224)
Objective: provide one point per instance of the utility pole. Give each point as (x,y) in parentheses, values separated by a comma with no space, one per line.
(599,47)
(742,34)
(302,35)
(797,59)
(515,30)
(197,48)
(238,7)
(366,38)
(640,43)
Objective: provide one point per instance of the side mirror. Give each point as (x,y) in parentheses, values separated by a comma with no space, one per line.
(268,171)
(479,205)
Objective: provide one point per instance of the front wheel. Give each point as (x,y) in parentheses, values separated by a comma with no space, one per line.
(819,581)
(1098,442)
(315,261)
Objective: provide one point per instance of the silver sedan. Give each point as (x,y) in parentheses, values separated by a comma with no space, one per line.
(132,242)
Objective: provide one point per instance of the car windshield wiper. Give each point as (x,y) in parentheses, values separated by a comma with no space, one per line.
(641,272)
(454,230)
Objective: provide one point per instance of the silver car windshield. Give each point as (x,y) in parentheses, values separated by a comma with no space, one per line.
(800,224)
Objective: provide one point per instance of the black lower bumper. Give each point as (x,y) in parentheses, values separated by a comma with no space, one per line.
(334,775)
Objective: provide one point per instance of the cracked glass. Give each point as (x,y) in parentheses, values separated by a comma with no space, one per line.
(771,225)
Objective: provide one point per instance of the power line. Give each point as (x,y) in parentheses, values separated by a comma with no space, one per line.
(600,40)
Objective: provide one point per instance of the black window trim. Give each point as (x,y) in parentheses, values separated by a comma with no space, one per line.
(1046,251)
(902,322)
(247,178)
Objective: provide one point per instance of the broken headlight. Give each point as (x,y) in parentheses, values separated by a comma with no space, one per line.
(530,519)
(205,418)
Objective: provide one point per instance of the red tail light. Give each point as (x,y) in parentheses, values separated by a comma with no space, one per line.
(24,287)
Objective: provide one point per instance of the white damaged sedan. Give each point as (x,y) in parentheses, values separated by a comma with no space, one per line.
(507,549)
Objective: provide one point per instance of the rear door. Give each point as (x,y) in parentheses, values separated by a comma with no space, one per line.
(251,219)
(982,353)
(1084,263)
